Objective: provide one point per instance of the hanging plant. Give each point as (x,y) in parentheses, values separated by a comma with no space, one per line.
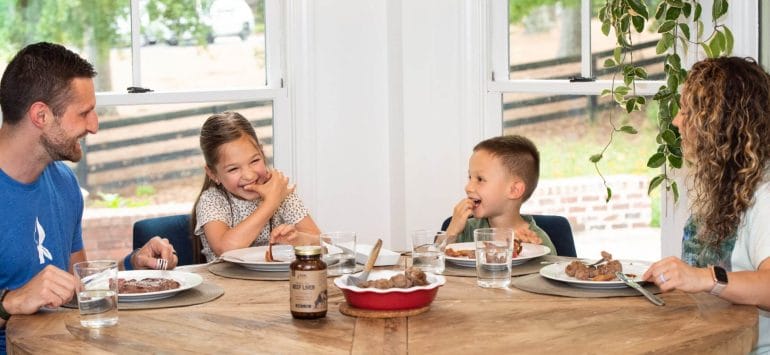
(673,19)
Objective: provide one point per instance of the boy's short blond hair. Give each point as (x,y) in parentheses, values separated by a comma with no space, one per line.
(519,155)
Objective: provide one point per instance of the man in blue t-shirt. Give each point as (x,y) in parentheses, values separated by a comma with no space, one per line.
(48,105)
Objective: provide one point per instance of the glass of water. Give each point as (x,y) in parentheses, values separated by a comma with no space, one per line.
(494,251)
(339,252)
(428,250)
(98,293)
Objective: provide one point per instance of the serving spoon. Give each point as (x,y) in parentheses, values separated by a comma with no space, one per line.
(353,280)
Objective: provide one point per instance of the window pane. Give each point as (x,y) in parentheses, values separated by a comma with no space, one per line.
(764,34)
(216,44)
(145,161)
(643,48)
(68,23)
(567,131)
(192,45)
(544,39)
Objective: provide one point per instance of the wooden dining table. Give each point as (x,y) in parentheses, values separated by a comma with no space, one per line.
(253,317)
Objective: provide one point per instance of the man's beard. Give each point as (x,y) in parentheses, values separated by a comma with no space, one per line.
(60,147)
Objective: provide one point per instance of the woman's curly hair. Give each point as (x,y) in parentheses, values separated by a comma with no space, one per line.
(726,129)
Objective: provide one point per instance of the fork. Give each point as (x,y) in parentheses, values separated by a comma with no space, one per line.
(161,264)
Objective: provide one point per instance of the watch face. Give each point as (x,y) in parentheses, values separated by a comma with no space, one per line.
(720,274)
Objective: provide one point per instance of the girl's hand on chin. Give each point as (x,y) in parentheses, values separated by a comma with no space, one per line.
(276,189)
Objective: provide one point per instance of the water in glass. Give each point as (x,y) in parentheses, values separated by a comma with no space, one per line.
(98,308)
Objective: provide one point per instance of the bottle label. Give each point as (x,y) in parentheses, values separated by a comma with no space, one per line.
(308,291)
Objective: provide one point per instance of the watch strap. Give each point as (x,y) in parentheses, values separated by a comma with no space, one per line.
(3,313)
(719,285)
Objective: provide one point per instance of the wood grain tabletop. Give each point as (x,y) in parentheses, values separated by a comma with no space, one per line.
(253,317)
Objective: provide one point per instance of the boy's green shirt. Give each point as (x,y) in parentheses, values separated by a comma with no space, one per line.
(473,224)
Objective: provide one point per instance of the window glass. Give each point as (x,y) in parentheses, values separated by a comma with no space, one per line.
(643,43)
(544,39)
(147,155)
(764,34)
(217,44)
(568,130)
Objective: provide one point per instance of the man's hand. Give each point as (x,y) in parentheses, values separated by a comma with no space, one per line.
(51,287)
(156,248)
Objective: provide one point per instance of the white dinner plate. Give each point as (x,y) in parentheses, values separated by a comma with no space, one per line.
(254,258)
(186,281)
(528,251)
(556,272)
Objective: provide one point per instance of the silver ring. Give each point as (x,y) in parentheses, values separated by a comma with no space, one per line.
(662,278)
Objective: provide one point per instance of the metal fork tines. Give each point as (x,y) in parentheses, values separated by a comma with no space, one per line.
(161,264)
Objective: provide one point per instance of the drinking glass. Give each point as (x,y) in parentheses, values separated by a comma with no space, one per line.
(339,252)
(494,250)
(428,251)
(98,293)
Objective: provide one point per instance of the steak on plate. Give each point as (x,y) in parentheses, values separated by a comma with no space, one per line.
(148,284)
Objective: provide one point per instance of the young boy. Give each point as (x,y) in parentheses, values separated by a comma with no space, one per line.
(502,174)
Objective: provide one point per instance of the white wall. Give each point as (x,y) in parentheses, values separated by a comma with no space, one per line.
(386,138)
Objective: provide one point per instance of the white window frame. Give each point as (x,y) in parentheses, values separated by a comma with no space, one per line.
(743,20)
(275,89)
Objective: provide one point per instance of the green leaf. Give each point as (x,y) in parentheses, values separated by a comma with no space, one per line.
(640,99)
(698,11)
(672,81)
(639,8)
(655,182)
(662,46)
(674,61)
(669,137)
(685,30)
(609,63)
(616,53)
(630,105)
(660,10)
(656,160)
(720,36)
(666,26)
(706,50)
(687,9)
(625,23)
(628,79)
(729,41)
(622,90)
(673,13)
(715,46)
(609,194)
(628,129)
(605,92)
(675,161)
(718,8)
(640,73)
(606,28)
(638,22)
(675,3)
(675,190)
(595,158)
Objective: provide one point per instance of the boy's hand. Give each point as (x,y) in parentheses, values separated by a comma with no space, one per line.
(525,235)
(274,190)
(463,210)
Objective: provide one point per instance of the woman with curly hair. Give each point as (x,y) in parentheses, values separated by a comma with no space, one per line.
(724,121)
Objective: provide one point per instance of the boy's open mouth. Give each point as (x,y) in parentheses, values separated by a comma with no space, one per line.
(476,202)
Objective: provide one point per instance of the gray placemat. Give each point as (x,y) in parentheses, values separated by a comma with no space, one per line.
(234,271)
(205,292)
(530,267)
(537,284)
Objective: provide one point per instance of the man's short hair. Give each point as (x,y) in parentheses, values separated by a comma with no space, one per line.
(40,72)
(519,155)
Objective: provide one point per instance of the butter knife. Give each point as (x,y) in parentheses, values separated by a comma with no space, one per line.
(650,296)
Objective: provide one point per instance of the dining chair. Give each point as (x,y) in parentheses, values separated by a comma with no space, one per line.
(175,228)
(557,228)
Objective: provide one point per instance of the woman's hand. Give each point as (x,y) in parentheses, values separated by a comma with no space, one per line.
(462,211)
(672,273)
(274,190)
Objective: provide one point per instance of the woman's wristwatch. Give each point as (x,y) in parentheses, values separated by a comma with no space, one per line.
(720,279)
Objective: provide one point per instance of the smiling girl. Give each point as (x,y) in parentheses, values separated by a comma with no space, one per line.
(242,202)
